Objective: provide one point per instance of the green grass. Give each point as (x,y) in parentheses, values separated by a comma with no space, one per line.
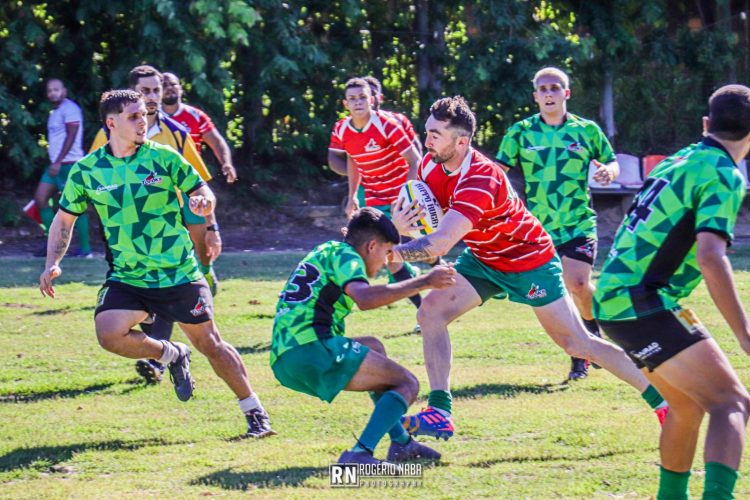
(77,422)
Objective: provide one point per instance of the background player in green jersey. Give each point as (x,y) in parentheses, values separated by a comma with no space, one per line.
(309,352)
(132,184)
(554,148)
(678,229)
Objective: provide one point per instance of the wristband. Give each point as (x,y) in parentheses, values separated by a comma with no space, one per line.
(213,227)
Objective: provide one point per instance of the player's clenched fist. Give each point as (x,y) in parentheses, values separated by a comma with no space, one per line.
(442,276)
(45,280)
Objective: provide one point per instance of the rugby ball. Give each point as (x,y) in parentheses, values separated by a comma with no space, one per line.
(418,190)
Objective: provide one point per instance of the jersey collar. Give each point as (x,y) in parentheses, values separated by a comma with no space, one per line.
(713,143)
(562,123)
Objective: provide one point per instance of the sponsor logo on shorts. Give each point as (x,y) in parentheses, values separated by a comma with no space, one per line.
(152,179)
(101,296)
(586,250)
(574,146)
(647,351)
(356,346)
(200,308)
(687,319)
(372,146)
(536,292)
(104,189)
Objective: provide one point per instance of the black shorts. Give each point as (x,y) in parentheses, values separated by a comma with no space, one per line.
(653,339)
(582,248)
(190,303)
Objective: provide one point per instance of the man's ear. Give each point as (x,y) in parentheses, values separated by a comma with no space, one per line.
(567,94)
(706,125)
(110,123)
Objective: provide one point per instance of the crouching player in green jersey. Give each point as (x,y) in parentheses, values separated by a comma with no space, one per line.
(678,229)
(309,352)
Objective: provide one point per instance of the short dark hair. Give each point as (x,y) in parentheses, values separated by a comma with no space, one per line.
(729,112)
(356,82)
(114,101)
(143,71)
(375,87)
(367,224)
(456,112)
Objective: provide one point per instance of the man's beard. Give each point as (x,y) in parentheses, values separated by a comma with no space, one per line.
(169,100)
(442,159)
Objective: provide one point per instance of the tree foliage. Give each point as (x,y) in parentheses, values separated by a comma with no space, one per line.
(270,73)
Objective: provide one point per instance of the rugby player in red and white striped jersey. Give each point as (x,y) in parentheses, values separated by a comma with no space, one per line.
(509,254)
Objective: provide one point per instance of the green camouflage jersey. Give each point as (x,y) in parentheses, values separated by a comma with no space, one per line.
(555,164)
(313,304)
(148,245)
(652,263)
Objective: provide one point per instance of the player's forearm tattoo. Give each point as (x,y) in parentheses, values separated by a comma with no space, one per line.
(61,243)
(415,250)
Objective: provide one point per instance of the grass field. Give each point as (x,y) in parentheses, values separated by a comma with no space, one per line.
(77,422)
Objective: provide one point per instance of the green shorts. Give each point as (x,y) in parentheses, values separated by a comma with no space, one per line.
(386,209)
(59,179)
(537,287)
(321,368)
(189,217)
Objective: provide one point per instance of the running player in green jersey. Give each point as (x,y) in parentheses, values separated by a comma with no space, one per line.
(309,352)
(678,229)
(553,148)
(132,184)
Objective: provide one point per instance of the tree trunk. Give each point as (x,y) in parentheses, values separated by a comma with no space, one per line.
(608,104)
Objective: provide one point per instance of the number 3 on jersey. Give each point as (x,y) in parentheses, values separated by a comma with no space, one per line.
(641,209)
(299,286)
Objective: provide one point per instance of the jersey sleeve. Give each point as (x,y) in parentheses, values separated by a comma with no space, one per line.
(183,174)
(72,114)
(476,193)
(396,135)
(99,141)
(718,203)
(507,153)
(408,127)
(73,198)
(205,125)
(347,266)
(335,143)
(602,149)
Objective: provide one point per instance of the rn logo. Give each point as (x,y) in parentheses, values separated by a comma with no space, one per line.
(344,475)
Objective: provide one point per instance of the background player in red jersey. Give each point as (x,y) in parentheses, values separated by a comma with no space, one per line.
(198,123)
(508,253)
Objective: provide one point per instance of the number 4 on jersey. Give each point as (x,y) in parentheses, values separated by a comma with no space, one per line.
(641,209)
(299,287)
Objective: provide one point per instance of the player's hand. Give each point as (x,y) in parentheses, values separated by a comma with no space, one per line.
(54,168)
(603,174)
(213,245)
(442,277)
(351,206)
(406,216)
(45,280)
(200,205)
(229,172)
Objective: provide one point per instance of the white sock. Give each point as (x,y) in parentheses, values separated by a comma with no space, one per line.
(169,352)
(662,405)
(250,403)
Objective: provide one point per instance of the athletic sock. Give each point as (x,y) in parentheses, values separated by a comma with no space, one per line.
(46,214)
(387,413)
(653,398)
(160,329)
(82,225)
(441,401)
(397,433)
(719,482)
(673,485)
(169,352)
(250,403)
(592,326)
(406,273)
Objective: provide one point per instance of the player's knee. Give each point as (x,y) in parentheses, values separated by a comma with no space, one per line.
(108,338)
(735,402)
(429,311)
(578,286)
(410,387)
(574,345)
(374,344)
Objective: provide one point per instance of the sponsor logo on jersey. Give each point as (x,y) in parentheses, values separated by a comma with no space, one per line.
(536,292)
(586,250)
(104,189)
(536,148)
(574,146)
(200,308)
(372,146)
(647,351)
(152,179)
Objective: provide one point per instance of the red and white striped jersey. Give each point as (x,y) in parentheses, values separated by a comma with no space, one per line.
(376,150)
(405,123)
(505,236)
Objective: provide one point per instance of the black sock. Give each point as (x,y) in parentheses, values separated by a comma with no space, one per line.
(592,326)
(161,329)
(403,275)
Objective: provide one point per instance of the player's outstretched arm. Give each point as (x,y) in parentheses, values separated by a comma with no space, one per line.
(58,241)
(370,297)
(337,161)
(452,228)
(203,201)
(717,271)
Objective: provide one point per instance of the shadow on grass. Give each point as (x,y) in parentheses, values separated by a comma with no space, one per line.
(254,349)
(232,480)
(547,458)
(24,457)
(61,310)
(31,396)
(506,391)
